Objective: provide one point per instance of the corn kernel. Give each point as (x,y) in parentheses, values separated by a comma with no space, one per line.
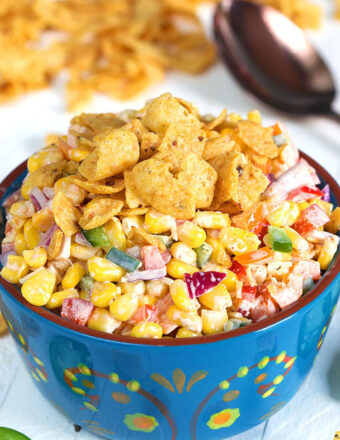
(31,234)
(43,220)
(185,333)
(183,252)
(73,276)
(293,213)
(114,230)
(147,330)
(327,253)
(191,321)
(123,307)
(238,241)
(213,321)
(255,116)
(136,287)
(191,234)
(299,243)
(79,154)
(82,252)
(72,191)
(104,293)
(57,298)
(156,288)
(217,298)
(180,297)
(22,209)
(177,269)
(146,300)
(20,243)
(46,156)
(133,221)
(211,219)
(219,255)
(278,218)
(157,223)
(333,225)
(37,290)
(103,321)
(15,269)
(103,270)
(302,206)
(281,256)
(35,257)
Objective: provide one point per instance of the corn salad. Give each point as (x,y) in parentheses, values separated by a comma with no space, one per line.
(166,223)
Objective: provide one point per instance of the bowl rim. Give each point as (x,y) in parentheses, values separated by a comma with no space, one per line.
(324,282)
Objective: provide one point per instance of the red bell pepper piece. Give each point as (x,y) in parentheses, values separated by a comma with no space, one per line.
(304,192)
(201,282)
(261,229)
(151,257)
(260,256)
(239,270)
(146,312)
(310,218)
(249,293)
(77,310)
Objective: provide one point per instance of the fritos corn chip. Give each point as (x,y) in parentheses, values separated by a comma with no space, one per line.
(65,214)
(99,211)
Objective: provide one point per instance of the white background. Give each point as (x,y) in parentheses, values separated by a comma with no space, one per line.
(314,414)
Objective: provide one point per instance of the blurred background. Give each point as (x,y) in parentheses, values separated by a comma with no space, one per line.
(58,58)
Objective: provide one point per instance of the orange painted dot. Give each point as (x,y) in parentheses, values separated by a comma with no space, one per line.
(120,397)
(231,395)
(260,378)
(222,418)
(143,423)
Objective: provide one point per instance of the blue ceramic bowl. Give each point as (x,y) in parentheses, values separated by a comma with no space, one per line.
(210,387)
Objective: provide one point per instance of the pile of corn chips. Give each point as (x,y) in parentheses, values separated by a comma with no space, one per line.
(113,47)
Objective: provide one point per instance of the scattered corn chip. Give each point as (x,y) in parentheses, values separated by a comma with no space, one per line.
(97,212)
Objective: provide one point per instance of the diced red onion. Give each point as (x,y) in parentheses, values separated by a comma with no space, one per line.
(66,248)
(152,274)
(7,247)
(271,177)
(4,256)
(49,192)
(80,239)
(12,198)
(327,193)
(166,256)
(296,176)
(317,236)
(312,171)
(38,199)
(134,251)
(46,238)
(202,282)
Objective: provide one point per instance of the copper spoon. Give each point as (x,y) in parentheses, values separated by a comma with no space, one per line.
(273,59)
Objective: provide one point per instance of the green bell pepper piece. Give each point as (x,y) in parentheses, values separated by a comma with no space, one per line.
(165,239)
(203,254)
(123,260)
(308,285)
(86,283)
(278,240)
(11,434)
(97,237)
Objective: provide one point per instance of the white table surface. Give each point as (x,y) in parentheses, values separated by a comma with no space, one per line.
(314,413)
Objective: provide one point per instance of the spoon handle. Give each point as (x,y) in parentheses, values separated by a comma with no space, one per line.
(333,115)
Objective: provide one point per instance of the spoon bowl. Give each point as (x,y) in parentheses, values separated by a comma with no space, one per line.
(273,59)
